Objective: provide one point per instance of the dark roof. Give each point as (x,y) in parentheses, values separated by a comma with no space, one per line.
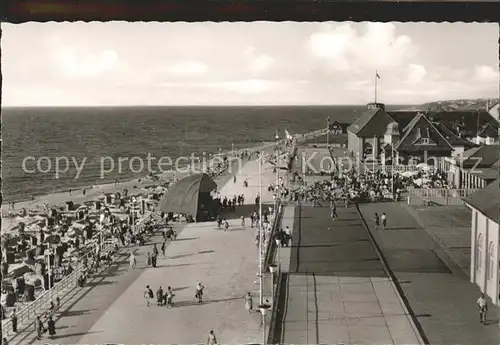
(403,118)
(337,124)
(483,156)
(420,127)
(183,196)
(487,201)
(373,122)
(488,174)
(362,121)
(488,131)
(469,121)
(451,137)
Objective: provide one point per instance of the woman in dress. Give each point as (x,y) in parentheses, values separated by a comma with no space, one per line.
(51,326)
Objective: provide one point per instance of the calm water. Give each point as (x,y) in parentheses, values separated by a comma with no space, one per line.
(93,133)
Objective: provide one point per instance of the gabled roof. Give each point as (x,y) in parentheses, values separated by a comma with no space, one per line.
(451,137)
(483,156)
(487,201)
(488,131)
(402,117)
(469,121)
(362,121)
(421,127)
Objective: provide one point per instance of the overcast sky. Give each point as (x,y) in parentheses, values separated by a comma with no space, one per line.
(261,63)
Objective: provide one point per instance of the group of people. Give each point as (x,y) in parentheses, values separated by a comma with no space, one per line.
(166,298)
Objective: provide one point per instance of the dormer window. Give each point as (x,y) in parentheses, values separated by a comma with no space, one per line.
(425,141)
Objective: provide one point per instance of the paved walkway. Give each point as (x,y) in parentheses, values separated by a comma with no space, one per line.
(437,289)
(338,291)
(113,309)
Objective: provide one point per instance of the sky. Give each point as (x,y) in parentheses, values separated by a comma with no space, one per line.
(258,63)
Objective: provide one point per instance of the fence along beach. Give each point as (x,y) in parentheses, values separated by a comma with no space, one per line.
(25,260)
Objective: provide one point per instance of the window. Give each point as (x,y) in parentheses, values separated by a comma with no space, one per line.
(491,260)
(425,141)
(479,251)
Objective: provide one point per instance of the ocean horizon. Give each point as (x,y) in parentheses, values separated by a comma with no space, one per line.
(95,134)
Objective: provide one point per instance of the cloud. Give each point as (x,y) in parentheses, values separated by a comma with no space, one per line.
(416,73)
(485,73)
(257,63)
(189,68)
(344,48)
(88,65)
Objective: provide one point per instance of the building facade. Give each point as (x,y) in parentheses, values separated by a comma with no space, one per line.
(485,241)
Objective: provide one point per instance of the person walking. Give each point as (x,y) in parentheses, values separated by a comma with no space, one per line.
(334,211)
(132,261)
(150,262)
(199,292)
(51,326)
(248,302)
(383,218)
(13,321)
(226,225)
(148,295)
(39,328)
(163,248)
(170,297)
(482,304)
(212,340)
(4,341)
(377,221)
(159,297)
(243,222)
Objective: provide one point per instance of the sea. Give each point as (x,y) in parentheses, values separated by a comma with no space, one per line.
(92,137)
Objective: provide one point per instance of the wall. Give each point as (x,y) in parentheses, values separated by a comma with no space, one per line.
(354,144)
(489,231)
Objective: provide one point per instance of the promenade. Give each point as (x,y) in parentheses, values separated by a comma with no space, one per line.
(432,277)
(338,291)
(113,310)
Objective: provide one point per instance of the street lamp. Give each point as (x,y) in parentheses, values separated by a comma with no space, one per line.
(263,310)
(277,167)
(261,293)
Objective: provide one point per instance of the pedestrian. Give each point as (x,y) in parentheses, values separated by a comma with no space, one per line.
(334,211)
(199,292)
(377,221)
(249,302)
(39,328)
(212,340)
(243,222)
(163,248)
(226,225)
(159,296)
(170,297)
(149,260)
(133,261)
(384,220)
(148,295)
(4,341)
(51,326)
(13,321)
(483,308)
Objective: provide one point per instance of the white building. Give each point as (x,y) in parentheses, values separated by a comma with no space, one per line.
(485,265)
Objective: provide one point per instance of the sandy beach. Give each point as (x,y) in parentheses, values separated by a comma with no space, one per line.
(134,187)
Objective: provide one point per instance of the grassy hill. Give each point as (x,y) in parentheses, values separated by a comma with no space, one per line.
(458,104)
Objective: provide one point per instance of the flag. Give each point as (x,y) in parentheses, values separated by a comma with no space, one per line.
(378,76)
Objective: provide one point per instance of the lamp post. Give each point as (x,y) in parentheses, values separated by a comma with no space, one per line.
(277,167)
(261,297)
(232,149)
(263,310)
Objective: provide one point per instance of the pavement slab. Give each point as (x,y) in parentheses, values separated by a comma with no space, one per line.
(338,291)
(443,300)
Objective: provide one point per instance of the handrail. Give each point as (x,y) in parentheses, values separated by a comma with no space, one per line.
(272,325)
(271,243)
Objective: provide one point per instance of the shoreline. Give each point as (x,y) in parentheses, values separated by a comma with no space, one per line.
(126,183)
(133,185)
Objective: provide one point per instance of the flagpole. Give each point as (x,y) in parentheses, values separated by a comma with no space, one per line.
(376,77)
(328,132)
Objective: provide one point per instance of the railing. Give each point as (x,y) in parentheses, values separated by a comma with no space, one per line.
(27,314)
(437,196)
(271,243)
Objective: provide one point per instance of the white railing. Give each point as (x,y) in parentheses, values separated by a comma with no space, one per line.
(439,196)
